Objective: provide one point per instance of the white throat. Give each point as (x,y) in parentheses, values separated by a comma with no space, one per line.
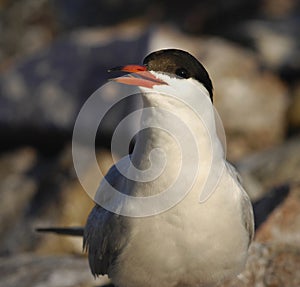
(179,131)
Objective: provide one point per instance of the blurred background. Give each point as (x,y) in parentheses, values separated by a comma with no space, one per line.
(55,53)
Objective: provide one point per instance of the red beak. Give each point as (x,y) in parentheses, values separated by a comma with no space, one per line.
(140,76)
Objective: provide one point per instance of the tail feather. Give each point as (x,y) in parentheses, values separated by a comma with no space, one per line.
(72,231)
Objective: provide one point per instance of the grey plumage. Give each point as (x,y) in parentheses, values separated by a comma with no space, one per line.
(104,238)
(105,233)
(246,205)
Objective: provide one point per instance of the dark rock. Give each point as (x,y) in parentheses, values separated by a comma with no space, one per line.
(209,17)
(273,33)
(263,207)
(42,95)
(81,13)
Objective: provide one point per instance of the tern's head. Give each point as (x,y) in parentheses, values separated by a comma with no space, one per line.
(172,62)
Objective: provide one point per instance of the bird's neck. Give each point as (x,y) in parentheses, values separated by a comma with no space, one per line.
(175,138)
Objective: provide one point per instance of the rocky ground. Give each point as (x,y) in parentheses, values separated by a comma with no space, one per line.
(55,54)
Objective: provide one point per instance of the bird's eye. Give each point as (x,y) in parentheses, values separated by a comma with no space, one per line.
(183,73)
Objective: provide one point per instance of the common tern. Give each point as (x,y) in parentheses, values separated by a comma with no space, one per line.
(194,242)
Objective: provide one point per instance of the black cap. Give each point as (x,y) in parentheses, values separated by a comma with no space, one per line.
(179,63)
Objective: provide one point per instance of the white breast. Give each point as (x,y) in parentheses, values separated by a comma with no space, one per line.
(193,243)
(190,244)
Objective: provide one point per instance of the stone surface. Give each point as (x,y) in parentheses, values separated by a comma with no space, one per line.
(37,192)
(283,225)
(26,27)
(269,265)
(17,190)
(74,206)
(30,270)
(274,166)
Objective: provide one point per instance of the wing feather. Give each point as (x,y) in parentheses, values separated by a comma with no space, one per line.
(104,233)
(246,205)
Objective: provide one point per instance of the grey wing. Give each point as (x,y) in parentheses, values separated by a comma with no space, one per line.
(103,240)
(247,214)
(104,233)
(246,205)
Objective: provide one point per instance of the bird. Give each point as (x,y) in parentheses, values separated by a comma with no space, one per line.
(201,238)
(192,243)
